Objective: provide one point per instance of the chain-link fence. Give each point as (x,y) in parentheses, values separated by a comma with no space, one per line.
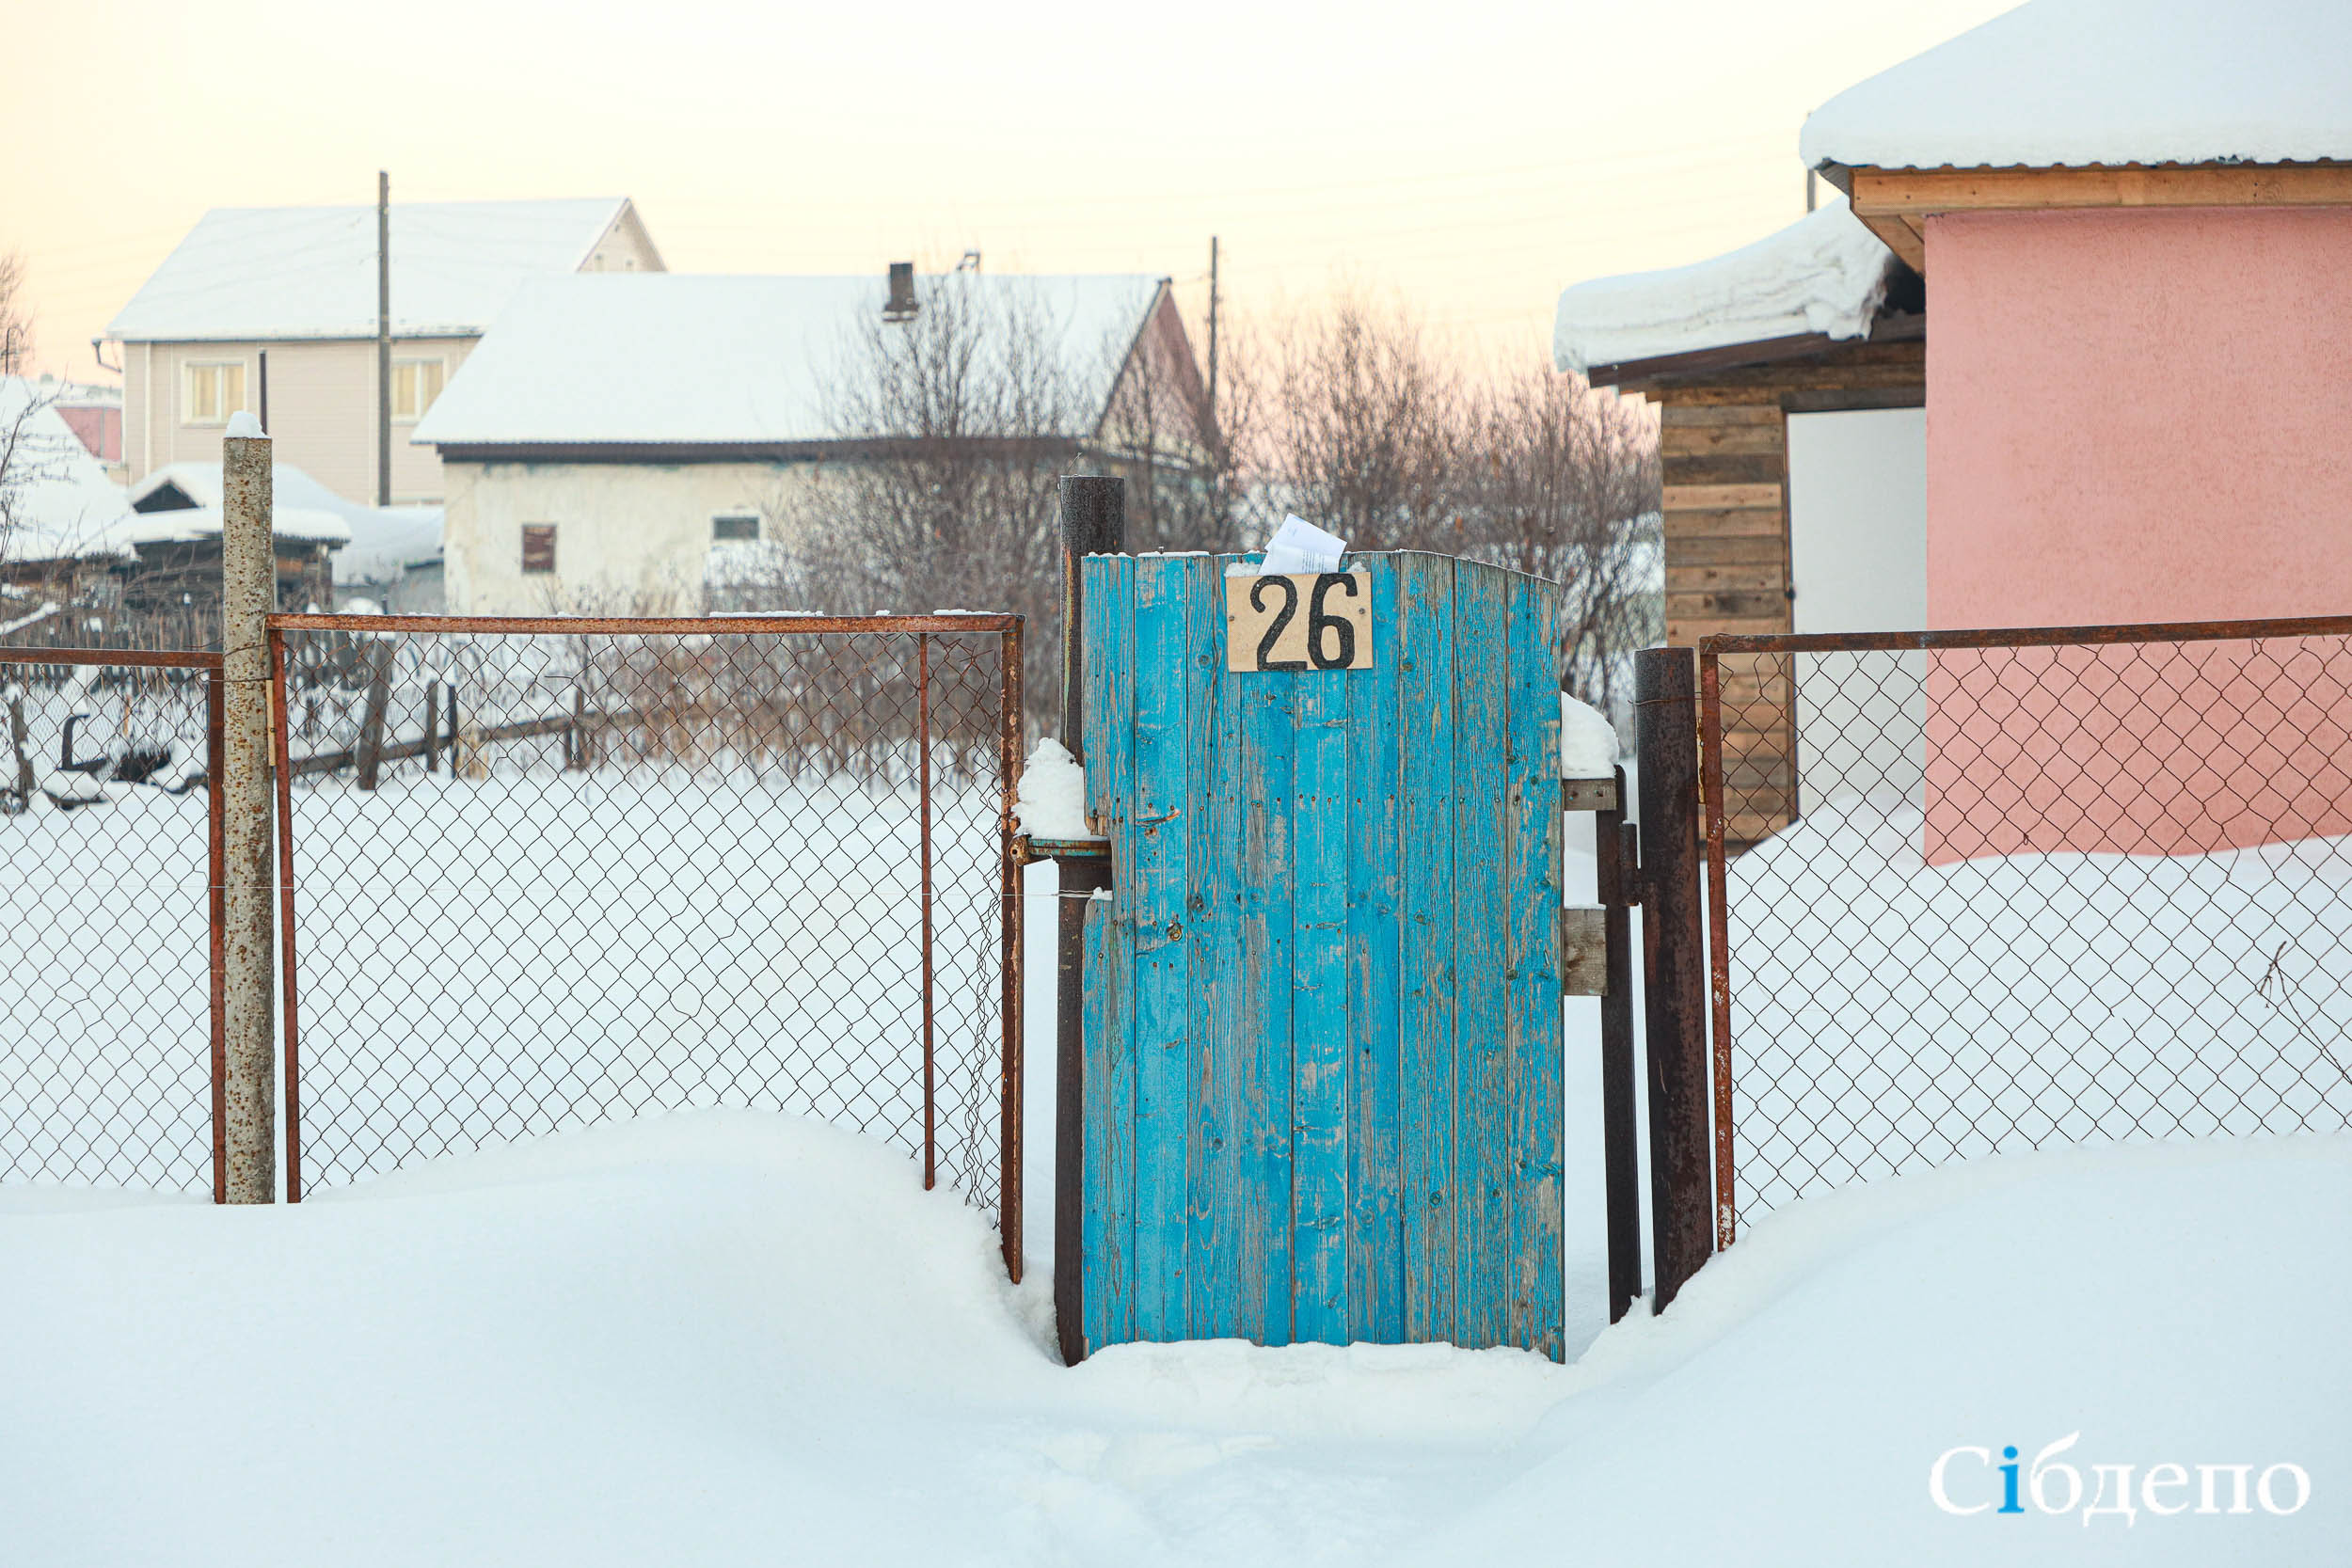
(551,872)
(1986,890)
(109,888)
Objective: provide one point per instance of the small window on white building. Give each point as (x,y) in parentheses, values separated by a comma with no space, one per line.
(538,547)
(415,384)
(733,525)
(212,390)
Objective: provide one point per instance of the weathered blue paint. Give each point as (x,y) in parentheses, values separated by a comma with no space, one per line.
(1154,874)
(1323,1098)
(1425,1093)
(1319,1009)
(1213,916)
(1532,1087)
(1263,1057)
(1108,669)
(1482,1214)
(1375,891)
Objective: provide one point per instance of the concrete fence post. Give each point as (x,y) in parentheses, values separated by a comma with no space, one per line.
(247,584)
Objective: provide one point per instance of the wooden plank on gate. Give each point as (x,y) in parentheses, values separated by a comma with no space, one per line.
(1319,1005)
(1376,1259)
(1152,877)
(1108,669)
(1264,1043)
(1481,777)
(1213,906)
(1424,645)
(1533,1306)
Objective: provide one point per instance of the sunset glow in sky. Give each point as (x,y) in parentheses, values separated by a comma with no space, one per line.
(1471,158)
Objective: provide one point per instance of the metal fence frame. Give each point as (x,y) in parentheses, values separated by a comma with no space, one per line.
(1714,805)
(1006,627)
(209,664)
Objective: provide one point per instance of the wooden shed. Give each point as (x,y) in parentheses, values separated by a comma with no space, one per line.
(1712,346)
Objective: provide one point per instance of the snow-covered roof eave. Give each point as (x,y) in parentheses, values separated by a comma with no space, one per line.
(2086,83)
(401,330)
(1824,275)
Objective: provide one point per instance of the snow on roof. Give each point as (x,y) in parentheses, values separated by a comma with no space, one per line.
(2073,82)
(187,524)
(309,272)
(1825,273)
(658,358)
(386,541)
(55,497)
(200,483)
(382,541)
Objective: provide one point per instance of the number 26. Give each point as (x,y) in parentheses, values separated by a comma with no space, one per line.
(1322,628)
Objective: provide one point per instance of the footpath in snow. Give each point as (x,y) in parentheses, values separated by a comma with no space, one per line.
(721,1336)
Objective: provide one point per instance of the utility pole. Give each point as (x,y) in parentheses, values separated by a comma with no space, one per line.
(247,581)
(383,338)
(1811,189)
(1213,332)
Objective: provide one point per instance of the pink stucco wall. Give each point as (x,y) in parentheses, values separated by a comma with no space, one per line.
(2138,416)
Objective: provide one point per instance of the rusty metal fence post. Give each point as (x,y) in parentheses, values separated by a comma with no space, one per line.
(1616,867)
(248,581)
(1012,934)
(1673,956)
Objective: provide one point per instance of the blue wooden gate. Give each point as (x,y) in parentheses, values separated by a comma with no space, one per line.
(1323,1020)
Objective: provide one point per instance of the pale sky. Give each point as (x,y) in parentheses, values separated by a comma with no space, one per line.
(1472,158)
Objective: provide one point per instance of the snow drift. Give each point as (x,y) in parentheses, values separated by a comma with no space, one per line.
(717,1337)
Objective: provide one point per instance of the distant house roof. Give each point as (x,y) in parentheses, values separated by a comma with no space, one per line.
(1825,274)
(309,272)
(378,542)
(190,525)
(54,493)
(2083,82)
(671,359)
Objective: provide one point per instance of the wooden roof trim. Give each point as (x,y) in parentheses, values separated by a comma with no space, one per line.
(1896,203)
(1768,351)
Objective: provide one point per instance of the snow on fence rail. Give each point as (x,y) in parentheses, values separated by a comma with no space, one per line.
(109,878)
(551,872)
(2013,889)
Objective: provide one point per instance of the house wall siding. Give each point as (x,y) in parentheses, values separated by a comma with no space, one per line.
(2135,416)
(2139,414)
(321,410)
(630,537)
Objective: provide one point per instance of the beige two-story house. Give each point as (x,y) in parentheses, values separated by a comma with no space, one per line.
(273,309)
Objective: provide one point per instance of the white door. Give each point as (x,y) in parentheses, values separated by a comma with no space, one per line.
(1858,561)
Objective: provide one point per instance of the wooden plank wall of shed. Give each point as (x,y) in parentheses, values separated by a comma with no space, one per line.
(1724,469)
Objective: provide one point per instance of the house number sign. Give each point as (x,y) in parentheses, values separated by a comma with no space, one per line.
(1310,621)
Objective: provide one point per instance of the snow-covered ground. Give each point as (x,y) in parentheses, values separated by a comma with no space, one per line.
(722,1336)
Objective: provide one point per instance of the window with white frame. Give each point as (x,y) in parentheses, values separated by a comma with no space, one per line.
(211,390)
(733,525)
(415,384)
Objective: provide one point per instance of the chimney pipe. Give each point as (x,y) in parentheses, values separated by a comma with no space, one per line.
(900,305)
